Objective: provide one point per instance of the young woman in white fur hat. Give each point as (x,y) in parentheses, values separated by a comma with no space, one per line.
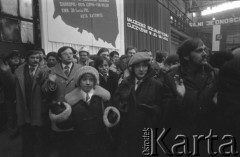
(91,119)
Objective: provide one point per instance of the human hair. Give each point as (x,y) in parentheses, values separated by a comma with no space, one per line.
(130,48)
(101,50)
(187,47)
(53,54)
(82,52)
(12,54)
(63,49)
(161,56)
(94,78)
(113,53)
(31,52)
(42,50)
(99,61)
(131,69)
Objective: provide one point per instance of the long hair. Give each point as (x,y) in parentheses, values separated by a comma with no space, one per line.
(187,47)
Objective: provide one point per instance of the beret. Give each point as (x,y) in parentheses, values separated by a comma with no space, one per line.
(138,58)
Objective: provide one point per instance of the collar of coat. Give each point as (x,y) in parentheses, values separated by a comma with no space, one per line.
(75,96)
(131,79)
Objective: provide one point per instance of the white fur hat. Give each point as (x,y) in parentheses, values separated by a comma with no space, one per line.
(86,70)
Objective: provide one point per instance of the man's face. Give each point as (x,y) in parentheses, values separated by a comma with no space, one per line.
(15,60)
(105,54)
(140,69)
(199,56)
(131,52)
(83,56)
(104,68)
(87,82)
(51,61)
(41,55)
(67,56)
(115,59)
(34,60)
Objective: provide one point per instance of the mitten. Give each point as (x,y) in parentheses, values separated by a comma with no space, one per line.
(111,116)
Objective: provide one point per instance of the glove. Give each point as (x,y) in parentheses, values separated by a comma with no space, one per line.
(59,111)
(57,107)
(112,116)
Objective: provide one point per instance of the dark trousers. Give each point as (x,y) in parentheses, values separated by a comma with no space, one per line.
(11,116)
(3,117)
(62,143)
(35,140)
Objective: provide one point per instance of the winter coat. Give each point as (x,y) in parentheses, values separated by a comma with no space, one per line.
(62,86)
(229,97)
(36,113)
(91,137)
(134,115)
(111,83)
(194,113)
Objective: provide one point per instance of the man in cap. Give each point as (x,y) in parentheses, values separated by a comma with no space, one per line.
(84,57)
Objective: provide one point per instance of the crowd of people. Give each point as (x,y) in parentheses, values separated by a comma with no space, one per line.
(71,103)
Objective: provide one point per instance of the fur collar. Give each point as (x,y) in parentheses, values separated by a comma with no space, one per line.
(75,96)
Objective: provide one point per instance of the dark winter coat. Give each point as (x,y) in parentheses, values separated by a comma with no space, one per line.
(62,86)
(91,137)
(134,116)
(36,112)
(194,113)
(111,83)
(229,97)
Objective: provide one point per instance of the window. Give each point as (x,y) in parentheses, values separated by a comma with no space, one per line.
(16,21)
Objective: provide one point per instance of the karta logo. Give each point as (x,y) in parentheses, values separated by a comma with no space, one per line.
(181,145)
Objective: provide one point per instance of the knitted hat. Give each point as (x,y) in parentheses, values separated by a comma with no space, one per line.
(86,70)
(139,57)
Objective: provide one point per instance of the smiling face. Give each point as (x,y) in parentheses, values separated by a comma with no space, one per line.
(140,69)
(104,68)
(87,82)
(34,60)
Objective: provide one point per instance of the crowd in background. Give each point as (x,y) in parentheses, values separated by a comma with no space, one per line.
(71,103)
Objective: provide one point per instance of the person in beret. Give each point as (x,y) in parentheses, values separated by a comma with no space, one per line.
(138,98)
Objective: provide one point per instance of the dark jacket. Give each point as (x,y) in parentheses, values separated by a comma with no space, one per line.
(36,112)
(111,83)
(134,116)
(91,137)
(194,113)
(229,97)
(63,85)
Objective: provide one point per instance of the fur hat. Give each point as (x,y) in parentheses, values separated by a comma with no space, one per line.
(139,57)
(86,70)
